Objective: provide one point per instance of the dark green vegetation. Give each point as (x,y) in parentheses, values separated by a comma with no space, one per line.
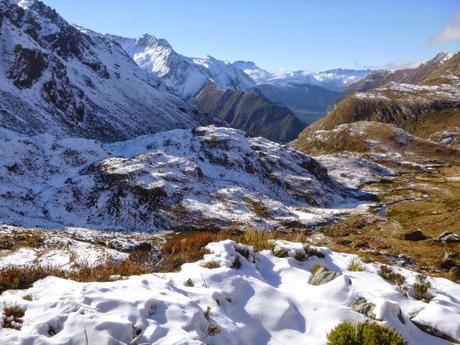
(308,102)
(250,111)
(364,334)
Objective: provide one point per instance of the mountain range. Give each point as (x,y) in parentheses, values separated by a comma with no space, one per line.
(424,100)
(147,197)
(56,78)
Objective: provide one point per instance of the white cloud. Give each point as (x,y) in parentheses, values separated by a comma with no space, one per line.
(451,33)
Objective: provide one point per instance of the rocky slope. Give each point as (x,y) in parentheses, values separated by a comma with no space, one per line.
(401,76)
(55,78)
(433,100)
(381,140)
(182,179)
(183,75)
(250,111)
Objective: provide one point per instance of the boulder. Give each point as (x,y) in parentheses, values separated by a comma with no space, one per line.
(322,276)
(448,237)
(362,306)
(415,235)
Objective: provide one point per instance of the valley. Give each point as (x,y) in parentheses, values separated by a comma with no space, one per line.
(150,197)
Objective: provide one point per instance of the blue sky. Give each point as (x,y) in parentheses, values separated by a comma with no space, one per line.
(282,35)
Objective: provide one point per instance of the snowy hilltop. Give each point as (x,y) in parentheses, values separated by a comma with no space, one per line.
(208,177)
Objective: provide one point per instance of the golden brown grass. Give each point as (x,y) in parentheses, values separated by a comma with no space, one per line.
(12,316)
(22,277)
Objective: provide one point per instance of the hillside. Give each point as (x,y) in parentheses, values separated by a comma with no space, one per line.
(208,177)
(402,76)
(433,101)
(250,111)
(55,78)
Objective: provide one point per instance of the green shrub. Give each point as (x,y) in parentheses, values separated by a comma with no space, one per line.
(421,287)
(366,333)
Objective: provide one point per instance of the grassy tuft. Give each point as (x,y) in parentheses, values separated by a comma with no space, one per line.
(346,333)
(355,265)
(12,316)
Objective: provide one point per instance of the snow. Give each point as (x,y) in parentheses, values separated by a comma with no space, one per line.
(171,180)
(266,301)
(64,249)
(353,170)
(183,75)
(335,79)
(119,99)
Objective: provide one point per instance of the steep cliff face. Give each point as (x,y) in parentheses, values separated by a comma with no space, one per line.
(56,78)
(250,111)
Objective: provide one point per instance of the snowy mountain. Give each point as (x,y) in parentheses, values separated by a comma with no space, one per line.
(184,76)
(55,78)
(259,75)
(335,79)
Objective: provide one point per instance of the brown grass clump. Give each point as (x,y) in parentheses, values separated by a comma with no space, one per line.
(211,265)
(189,246)
(18,239)
(386,273)
(258,208)
(23,277)
(12,316)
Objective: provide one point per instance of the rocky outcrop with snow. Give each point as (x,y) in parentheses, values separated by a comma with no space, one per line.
(56,78)
(208,177)
(244,297)
(183,75)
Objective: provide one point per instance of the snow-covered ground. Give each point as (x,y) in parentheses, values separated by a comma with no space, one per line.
(70,248)
(209,177)
(249,298)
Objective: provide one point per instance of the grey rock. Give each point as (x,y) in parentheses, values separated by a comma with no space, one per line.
(362,306)
(448,237)
(323,276)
